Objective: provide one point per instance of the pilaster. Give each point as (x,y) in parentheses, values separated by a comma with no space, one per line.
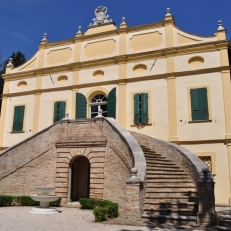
(37,104)
(2,119)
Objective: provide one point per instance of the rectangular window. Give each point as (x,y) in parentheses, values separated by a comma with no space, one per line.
(199,104)
(141,108)
(18,118)
(59,110)
(207,160)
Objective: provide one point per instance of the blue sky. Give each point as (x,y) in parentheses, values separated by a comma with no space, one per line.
(23,22)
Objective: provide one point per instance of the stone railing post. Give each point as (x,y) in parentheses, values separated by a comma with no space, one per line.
(206,215)
(132,213)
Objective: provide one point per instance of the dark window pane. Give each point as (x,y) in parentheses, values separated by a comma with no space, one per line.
(93,100)
(104,107)
(94,108)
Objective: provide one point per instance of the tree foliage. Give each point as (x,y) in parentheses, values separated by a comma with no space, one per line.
(18,59)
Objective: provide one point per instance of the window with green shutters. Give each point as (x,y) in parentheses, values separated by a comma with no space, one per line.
(59,110)
(199,104)
(111,103)
(141,108)
(81,106)
(18,118)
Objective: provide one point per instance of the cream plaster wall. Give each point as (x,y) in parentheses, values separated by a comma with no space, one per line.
(159,105)
(31,85)
(221,179)
(200,39)
(161,30)
(110,73)
(211,59)
(47,82)
(53,49)
(207,130)
(158,68)
(47,106)
(84,44)
(13,138)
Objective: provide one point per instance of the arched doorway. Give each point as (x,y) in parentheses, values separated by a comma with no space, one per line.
(80,178)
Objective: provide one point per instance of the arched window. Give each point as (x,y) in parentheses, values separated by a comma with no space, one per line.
(98,102)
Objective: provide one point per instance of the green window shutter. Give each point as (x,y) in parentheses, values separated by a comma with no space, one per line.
(62,110)
(195,103)
(136,108)
(56,111)
(18,118)
(204,115)
(21,117)
(111,103)
(81,106)
(144,108)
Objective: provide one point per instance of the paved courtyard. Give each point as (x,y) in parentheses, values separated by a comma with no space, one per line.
(72,219)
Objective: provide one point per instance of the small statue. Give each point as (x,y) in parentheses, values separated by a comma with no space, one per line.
(101,17)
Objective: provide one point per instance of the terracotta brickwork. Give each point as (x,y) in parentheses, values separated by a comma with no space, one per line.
(46,159)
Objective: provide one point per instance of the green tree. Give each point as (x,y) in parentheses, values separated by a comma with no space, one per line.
(18,59)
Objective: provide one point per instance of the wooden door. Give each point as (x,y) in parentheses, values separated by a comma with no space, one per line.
(80,178)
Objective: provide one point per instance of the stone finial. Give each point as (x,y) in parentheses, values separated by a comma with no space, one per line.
(134,172)
(168,12)
(206,175)
(100,113)
(79,30)
(123,21)
(10,63)
(66,116)
(44,37)
(220,27)
(134,178)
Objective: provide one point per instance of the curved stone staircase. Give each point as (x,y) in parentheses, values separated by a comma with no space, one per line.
(170,193)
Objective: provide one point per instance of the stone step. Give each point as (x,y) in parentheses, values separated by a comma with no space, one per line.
(160,158)
(179,206)
(170,186)
(160,163)
(147,154)
(163,167)
(170,212)
(169,199)
(74,204)
(161,170)
(169,190)
(175,184)
(163,173)
(159,181)
(176,177)
(166,193)
(170,204)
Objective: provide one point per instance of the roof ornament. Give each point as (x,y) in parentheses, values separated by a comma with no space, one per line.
(44,37)
(10,63)
(123,21)
(220,27)
(100,114)
(101,17)
(168,12)
(79,30)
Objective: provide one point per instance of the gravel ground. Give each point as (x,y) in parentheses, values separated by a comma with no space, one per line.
(69,219)
(73,219)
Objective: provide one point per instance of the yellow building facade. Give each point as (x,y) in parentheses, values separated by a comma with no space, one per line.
(158,60)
